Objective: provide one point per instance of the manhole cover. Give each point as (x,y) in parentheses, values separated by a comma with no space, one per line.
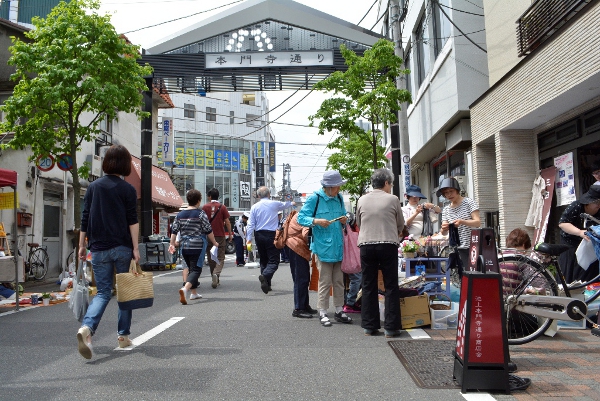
(429,363)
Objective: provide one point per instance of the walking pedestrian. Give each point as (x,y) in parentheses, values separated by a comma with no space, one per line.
(239,238)
(380,219)
(299,257)
(262,225)
(325,213)
(110,224)
(217,216)
(195,234)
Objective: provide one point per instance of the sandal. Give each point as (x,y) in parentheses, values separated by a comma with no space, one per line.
(342,318)
(325,322)
(124,341)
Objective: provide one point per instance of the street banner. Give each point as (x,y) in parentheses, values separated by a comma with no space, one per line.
(167,141)
(260,167)
(272,167)
(259,149)
(565,179)
(405,171)
(244,190)
(548,174)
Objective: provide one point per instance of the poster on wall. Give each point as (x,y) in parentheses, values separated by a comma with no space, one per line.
(565,179)
(244,190)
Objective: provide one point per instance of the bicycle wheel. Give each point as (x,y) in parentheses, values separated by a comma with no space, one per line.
(67,267)
(522,275)
(38,263)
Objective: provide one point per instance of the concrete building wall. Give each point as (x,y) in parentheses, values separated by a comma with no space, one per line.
(500,17)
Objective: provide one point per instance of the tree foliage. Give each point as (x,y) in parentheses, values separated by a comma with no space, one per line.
(366,90)
(353,161)
(74,65)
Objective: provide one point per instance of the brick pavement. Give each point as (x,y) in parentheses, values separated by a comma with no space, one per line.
(566,366)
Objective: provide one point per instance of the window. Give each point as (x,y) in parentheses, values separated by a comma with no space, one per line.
(189,110)
(211,114)
(106,127)
(441,27)
(231,117)
(422,39)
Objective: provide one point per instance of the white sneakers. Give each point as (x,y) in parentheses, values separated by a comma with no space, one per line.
(84,339)
(183,296)
(195,296)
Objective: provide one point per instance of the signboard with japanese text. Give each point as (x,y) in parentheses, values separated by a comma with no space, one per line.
(406,170)
(269,59)
(565,179)
(190,157)
(244,190)
(259,149)
(260,167)
(548,175)
(167,139)
(235,197)
(272,166)
(235,161)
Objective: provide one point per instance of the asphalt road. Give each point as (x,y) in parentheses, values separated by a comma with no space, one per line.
(234,344)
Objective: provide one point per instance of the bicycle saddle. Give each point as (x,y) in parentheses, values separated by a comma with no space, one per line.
(33,244)
(551,249)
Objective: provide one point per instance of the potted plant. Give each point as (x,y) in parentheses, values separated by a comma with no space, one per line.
(46,298)
(409,248)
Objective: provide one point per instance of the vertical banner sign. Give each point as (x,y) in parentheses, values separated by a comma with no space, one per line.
(167,140)
(272,167)
(244,190)
(565,179)
(548,175)
(260,171)
(235,198)
(259,150)
(406,170)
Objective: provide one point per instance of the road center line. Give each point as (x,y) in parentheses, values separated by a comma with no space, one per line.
(477,397)
(151,333)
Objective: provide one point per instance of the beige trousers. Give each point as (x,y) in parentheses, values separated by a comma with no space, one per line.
(214,267)
(330,274)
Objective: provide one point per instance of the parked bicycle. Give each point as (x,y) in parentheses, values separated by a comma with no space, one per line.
(532,302)
(36,265)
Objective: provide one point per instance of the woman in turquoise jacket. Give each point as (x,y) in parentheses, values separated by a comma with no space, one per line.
(319,212)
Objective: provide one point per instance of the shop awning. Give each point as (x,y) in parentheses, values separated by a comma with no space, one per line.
(8,178)
(163,190)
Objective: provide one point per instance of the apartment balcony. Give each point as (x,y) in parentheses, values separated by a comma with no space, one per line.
(542,19)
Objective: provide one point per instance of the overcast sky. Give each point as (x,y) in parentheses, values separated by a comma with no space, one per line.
(307,161)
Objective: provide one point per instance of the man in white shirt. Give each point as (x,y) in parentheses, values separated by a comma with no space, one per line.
(262,225)
(239,235)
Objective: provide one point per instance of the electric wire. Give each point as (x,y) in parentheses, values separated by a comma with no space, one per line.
(456,26)
(311,170)
(462,11)
(476,5)
(367,13)
(180,18)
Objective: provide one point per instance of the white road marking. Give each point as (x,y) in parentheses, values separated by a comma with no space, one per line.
(417,334)
(21,309)
(151,333)
(477,397)
(166,274)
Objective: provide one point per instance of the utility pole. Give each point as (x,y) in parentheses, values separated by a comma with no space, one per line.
(399,132)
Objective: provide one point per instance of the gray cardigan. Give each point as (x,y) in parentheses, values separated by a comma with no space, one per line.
(379,216)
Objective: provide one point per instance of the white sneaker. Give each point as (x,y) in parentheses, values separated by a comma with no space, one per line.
(183,296)
(84,339)
(195,296)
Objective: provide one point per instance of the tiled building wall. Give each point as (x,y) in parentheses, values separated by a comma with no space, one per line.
(516,169)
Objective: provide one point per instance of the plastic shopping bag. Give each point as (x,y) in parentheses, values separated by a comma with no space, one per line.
(80,296)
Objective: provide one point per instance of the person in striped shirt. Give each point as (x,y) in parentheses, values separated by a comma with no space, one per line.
(462,212)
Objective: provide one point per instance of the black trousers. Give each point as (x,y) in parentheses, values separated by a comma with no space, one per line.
(269,255)
(373,258)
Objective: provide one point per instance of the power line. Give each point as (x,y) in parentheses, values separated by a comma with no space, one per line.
(476,5)
(368,11)
(180,18)
(456,26)
(461,11)
(311,170)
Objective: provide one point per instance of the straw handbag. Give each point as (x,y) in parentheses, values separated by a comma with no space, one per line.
(135,288)
(435,302)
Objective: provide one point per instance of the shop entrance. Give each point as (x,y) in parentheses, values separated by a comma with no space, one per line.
(51,230)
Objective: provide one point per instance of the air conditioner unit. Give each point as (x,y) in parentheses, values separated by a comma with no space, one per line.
(462,181)
(97,166)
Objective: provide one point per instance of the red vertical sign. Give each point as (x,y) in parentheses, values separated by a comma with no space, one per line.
(485,345)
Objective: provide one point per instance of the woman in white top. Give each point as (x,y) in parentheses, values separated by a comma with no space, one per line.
(462,212)
(413,218)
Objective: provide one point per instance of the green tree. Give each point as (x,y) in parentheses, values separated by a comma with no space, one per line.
(353,161)
(75,65)
(368,91)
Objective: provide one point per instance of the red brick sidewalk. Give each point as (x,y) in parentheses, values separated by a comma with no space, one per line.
(566,366)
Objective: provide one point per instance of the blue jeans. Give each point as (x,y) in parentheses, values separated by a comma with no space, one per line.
(104,263)
(353,288)
(300,269)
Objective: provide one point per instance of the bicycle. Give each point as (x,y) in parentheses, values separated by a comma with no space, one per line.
(536,299)
(37,262)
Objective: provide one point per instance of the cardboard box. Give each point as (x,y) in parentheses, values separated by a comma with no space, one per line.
(415,311)
(7,269)
(444,319)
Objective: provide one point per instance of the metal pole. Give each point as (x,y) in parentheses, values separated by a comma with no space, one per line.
(16,248)
(146,166)
(402,158)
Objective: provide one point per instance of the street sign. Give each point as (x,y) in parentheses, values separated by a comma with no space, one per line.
(65,162)
(45,163)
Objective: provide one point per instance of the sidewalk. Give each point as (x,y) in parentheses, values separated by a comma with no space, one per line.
(561,367)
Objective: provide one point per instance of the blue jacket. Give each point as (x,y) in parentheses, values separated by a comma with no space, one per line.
(327,243)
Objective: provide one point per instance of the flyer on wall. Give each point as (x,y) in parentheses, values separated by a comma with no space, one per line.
(565,181)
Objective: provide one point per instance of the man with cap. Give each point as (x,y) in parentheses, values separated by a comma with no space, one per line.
(573,231)
(262,224)
(239,235)
(413,218)
(325,213)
